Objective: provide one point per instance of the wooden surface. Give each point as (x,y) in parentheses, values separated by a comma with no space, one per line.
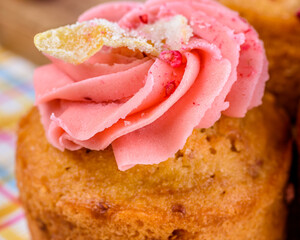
(20,20)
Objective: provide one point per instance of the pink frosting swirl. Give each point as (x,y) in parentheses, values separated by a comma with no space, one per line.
(122,101)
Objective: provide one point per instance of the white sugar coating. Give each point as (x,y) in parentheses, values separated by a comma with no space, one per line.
(78,42)
(168,33)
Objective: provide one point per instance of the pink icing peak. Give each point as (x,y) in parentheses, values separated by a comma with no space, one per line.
(147,108)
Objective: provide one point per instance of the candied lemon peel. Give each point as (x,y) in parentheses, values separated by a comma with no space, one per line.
(78,42)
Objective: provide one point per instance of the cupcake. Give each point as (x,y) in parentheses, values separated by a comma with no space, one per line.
(144,130)
(278,24)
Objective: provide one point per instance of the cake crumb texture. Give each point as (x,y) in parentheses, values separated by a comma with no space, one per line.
(278,24)
(228,182)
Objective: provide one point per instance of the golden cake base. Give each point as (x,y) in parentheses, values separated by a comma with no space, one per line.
(228,182)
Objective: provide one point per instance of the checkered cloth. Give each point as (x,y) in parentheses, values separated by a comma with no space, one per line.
(16,97)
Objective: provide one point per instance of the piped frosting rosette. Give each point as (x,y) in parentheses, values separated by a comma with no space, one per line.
(146,107)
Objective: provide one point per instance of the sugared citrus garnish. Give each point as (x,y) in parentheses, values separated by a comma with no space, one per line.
(78,42)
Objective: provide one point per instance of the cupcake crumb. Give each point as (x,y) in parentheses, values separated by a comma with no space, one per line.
(99,209)
(179,208)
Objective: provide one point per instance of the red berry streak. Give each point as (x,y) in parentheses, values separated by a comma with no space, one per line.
(174,58)
(144,18)
(298,14)
(170,88)
(245,47)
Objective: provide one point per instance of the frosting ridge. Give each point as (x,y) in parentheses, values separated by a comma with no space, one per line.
(145,107)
